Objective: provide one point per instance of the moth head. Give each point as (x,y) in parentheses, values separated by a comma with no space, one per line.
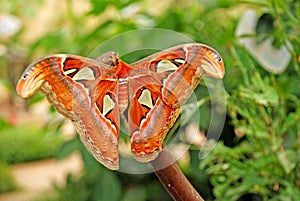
(108,59)
(212,63)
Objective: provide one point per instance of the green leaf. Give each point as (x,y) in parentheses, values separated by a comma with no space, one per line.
(135,193)
(289,192)
(287,159)
(257,2)
(270,97)
(292,119)
(108,187)
(265,24)
(68,148)
(98,6)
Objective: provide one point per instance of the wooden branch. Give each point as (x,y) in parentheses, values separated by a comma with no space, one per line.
(173,179)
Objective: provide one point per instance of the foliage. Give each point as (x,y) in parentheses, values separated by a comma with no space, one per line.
(266,121)
(7,182)
(264,110)
(258,154)
(27,143)
(99,183)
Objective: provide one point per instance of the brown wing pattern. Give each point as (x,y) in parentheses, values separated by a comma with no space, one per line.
(72,85)
(172,75)
(92,93)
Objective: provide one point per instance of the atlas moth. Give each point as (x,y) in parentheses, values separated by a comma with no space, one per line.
(92,93)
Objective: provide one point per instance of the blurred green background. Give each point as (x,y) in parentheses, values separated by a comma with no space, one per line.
(257,156)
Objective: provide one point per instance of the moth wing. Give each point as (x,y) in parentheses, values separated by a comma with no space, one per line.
(99,129)
(149,118)
(72,85)
(181,68)
(158,86)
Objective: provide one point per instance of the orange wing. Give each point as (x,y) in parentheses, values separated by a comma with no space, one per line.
(78,89)
(92,93)
(158,86)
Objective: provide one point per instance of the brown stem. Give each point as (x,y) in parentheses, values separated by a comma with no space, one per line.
(172,178)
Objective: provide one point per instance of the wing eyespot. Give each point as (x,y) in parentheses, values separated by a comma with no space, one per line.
(26,74)
(167,66)
(108,105)
(85,73)
(145,99)
(217,57)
